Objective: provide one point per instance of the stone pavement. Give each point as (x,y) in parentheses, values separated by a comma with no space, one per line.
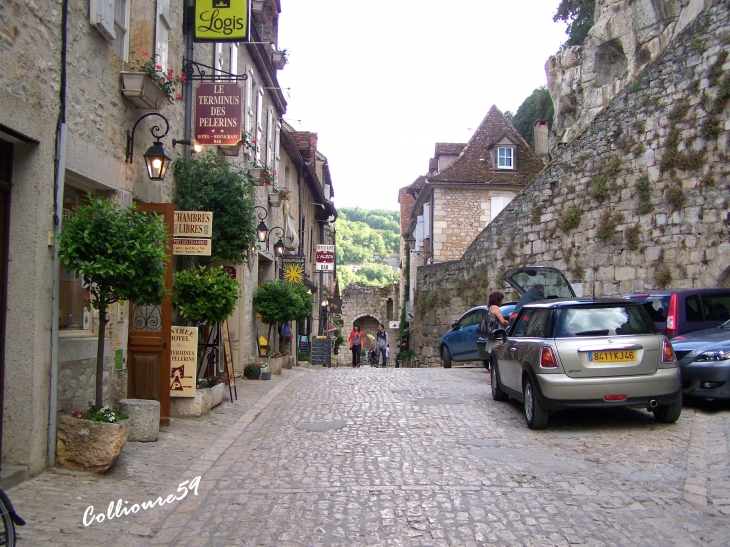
(400,457)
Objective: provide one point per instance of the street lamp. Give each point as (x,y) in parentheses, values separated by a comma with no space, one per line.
(411,242)
(262,230)
(279,245)
(156,158)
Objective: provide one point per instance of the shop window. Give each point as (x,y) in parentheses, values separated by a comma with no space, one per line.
(74,297)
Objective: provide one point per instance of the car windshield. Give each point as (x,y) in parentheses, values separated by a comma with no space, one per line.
(602,321)
(725,325)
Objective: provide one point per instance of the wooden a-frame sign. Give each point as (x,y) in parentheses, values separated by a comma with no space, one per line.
(228,354)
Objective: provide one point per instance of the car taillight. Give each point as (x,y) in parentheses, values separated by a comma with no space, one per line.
(671,327)
(667,352)
(547,358)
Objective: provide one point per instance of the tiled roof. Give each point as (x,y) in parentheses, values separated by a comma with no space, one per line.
(474,165)
(416,185)
(449,148)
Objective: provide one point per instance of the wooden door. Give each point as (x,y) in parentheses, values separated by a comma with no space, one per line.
(6,163)
(148,351)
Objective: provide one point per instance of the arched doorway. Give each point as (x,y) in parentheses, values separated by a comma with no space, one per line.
(369,325)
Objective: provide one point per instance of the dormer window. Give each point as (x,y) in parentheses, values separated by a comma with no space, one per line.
(505,157)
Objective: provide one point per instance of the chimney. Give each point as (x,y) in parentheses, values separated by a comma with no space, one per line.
(541,139)
(313,141)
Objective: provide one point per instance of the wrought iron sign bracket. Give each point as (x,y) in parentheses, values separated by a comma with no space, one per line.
(198,72)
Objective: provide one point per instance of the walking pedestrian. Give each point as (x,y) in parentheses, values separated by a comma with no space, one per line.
(356,340)
(387,354)
(381,342)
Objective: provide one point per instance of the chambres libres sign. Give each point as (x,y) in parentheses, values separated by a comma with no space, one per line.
(218,114)
(222,20)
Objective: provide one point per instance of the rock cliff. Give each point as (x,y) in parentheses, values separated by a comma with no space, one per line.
(626,36)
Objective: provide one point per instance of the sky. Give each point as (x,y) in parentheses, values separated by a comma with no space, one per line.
(382,82)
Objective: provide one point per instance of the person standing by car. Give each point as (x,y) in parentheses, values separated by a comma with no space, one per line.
(381,342)
(356,341)
(535,294)
(494,317)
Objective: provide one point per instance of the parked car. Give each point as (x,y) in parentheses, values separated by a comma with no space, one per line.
(576,353)
(459,344)
(676,312)
(704,359)
(506,310)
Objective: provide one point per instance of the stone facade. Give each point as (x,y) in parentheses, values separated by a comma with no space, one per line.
(626,36)
(638,201)
(459,216)
(366,307)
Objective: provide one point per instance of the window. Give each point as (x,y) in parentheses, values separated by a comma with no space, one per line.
(692,310)
(258,117)
(121,25)
(73,298)
(248,114)
(717,306)
(162,32)
(520,324)
(233,59)
(505,158)
(537,326)
(603,321)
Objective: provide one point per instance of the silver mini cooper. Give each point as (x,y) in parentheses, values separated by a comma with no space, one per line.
(575,353)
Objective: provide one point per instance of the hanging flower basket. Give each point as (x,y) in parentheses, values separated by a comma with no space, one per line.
(278,59)
(139,88)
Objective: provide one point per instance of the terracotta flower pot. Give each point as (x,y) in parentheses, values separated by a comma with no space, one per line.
(89,446)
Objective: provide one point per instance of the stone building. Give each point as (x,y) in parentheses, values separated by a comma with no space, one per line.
(367,307)
(63,133)
(637,201)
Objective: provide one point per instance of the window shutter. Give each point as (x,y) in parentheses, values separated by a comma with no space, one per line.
(277,154)
(101,16)
(426,220)
(259,115)
(497,204)
(162,32)
(270,137)
(249,102)
(419,232)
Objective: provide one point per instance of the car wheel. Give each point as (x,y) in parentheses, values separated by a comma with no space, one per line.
(497,393)
(535,414)
(668,414)
(446,356)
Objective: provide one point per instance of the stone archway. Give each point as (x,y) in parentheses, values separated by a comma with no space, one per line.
(368,325)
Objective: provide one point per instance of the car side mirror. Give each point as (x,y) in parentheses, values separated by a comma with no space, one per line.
(454,325)
(500,335)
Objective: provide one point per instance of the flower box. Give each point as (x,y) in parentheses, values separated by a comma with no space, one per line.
(257,11)
(274,199)
(191,406)
(278,59)
(88,445)
(232,151)
(139,88)
(257,176)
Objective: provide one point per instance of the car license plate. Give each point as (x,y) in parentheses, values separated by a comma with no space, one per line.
(615,356)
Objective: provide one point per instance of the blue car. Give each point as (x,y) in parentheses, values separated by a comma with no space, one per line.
(460,343)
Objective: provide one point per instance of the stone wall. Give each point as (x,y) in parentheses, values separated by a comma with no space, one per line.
(368,306)
(626,36)
(459,215)
(638,201)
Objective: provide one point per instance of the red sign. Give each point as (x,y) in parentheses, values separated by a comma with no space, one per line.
(218,108)
(230,270)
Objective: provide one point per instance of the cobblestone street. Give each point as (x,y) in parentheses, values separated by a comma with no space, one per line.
(400,457)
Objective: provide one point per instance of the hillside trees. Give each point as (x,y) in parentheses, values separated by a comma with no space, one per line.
(579,16)
(538,106)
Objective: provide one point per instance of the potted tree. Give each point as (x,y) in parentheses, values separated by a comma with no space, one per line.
(280,301)
(120,255)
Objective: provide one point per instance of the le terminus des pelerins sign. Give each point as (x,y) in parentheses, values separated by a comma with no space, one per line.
(218,109)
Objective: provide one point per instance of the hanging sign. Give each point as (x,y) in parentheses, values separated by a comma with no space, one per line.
(292,268)
(193,223)
(221,20)
(183,361)
(325,258)
(218,108)
(190,246)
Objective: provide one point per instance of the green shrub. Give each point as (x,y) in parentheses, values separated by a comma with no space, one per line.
(570,218)
(607,225)
(302,356)
(676,197)
(680,110)
(632,235)
(205,296)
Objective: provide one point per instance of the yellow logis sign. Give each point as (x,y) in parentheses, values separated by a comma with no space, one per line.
(221,20)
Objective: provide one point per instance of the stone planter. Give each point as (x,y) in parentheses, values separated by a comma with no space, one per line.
(274,199)
(142,91)
(302,363)
(216,394)
(278,60)
(265,373)
(257,176)
(144,417)
(187,407)
(275,364)
(89,446)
